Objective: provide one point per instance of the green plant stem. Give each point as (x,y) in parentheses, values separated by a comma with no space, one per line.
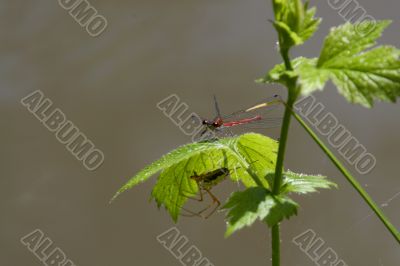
(291,85)
(356,185)
(278,178)
(286,59)
(282,146)
(275,230)
(276,249)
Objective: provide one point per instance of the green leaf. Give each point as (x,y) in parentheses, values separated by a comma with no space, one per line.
(278,74)
(248,157)
(346,41)
(166,161)
(284,208)
(302,184)
(280,7)
(362,76)
(289,38)
(257,203)
(310,24)
(294,22)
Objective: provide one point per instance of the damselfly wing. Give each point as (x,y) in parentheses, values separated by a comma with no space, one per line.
(253,117)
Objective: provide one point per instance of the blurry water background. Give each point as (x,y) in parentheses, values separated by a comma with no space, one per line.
(109,87)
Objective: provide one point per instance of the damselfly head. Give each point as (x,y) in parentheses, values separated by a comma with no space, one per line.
(205,122)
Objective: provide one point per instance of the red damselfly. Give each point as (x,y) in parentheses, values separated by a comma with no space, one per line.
(255,116)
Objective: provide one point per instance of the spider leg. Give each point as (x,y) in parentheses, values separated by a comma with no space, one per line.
(199,213)
(200,198)
(215,200)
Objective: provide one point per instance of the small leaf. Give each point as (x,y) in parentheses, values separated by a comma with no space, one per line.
(279,74)
(310,24)
(257,203)
(284,208)
(294,22)
(302,184)
(289,37)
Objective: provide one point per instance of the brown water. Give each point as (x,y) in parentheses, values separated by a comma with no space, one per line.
(109,86)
